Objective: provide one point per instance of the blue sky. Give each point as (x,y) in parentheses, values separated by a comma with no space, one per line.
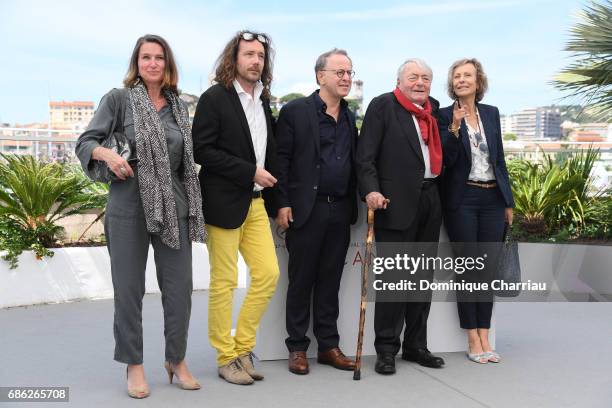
(78,50)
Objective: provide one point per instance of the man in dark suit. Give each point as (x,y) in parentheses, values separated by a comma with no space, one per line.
(317,138)
(233,142)
(399,159)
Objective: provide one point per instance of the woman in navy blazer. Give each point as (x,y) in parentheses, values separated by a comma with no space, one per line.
(476,194)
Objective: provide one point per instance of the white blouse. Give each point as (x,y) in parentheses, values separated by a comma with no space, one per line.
(481,170)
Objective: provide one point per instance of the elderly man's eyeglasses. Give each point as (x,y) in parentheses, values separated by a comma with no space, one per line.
(249,36)
(340,72)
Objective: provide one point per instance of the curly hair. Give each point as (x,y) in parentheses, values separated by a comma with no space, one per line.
(226,69)
(170,79)
(482,83)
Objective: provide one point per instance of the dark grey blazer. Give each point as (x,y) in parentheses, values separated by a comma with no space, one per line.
(124,196)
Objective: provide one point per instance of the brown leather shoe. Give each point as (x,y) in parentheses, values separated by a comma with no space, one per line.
(336,358)
(298,364)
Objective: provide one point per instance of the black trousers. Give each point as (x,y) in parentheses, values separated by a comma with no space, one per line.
(479,218)
(390,317)
(317,253)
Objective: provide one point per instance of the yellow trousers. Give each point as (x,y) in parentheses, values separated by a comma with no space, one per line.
(254,241)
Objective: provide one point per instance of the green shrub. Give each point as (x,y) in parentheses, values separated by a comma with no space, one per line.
(34,196)
(557,201)
(598,217)
(14,239)
(539,192)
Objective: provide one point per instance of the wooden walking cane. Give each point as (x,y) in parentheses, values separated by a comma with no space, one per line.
(364,288)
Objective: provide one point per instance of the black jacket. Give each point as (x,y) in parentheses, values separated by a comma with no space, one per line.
(299,171)
(458,155)
(223,146)
(390,160)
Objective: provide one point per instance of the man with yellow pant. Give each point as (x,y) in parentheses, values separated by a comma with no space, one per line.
(233,142)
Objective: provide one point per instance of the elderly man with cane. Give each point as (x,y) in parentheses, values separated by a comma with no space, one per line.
(399,158)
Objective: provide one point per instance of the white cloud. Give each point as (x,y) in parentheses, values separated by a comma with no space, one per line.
(389,13)
(305,88)
(79,49)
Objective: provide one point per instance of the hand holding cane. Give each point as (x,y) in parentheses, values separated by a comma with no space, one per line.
(364,285)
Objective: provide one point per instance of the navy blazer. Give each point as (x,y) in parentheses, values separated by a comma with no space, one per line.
(223,146)
(299,154)
(458,156)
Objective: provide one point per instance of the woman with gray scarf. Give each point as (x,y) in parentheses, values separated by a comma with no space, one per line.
(154,199)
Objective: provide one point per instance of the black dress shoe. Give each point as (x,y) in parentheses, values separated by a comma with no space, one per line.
(385,363)
(423,357)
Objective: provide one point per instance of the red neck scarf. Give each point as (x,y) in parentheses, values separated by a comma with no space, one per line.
(428,127)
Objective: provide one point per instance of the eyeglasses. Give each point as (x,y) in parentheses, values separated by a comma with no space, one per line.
(249,36)
(340,72)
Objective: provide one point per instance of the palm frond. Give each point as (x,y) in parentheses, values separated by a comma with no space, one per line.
(589,78)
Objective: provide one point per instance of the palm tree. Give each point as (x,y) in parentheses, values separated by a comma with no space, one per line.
(590,77)
(35,195)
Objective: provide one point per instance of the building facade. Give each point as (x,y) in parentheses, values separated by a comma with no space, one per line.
(536,123)
(67,114)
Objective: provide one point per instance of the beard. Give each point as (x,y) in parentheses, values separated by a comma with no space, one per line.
(250,75)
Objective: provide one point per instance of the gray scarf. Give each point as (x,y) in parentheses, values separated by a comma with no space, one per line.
(154,174)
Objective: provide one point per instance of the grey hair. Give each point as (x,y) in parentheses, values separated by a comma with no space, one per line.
(482,82)
(418,62)
(322,60)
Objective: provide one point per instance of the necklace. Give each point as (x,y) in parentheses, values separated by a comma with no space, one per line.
(478,141)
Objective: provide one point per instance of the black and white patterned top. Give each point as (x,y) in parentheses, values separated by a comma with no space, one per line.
(481,170)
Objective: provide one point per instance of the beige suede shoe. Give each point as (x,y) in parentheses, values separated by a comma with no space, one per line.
(246,360)
(235,374)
